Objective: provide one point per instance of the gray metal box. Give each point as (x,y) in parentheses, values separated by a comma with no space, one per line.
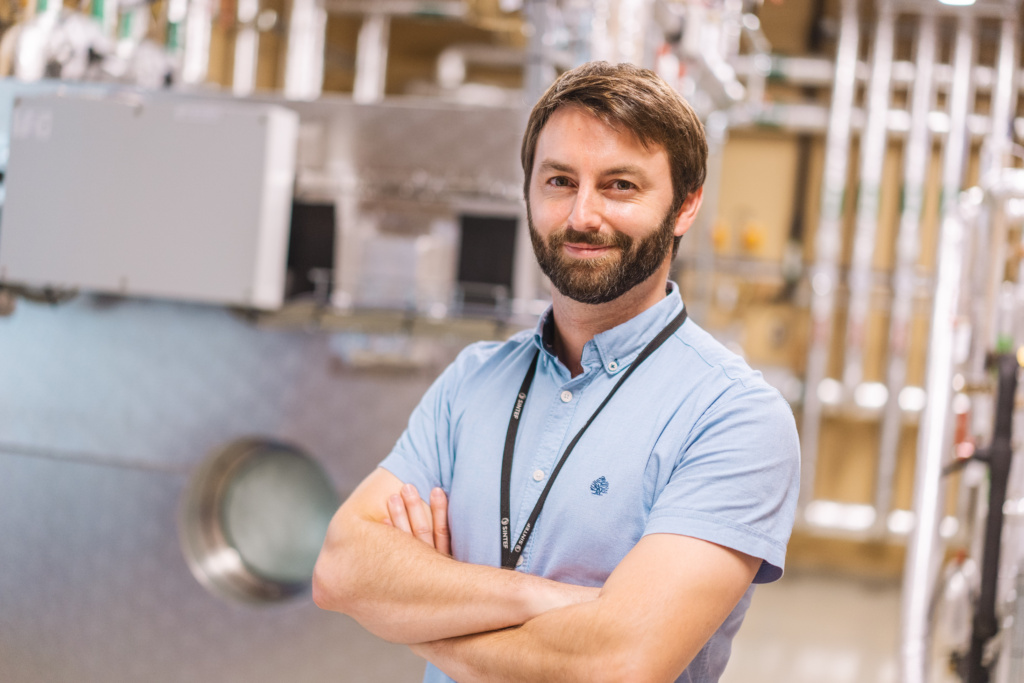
(152,196)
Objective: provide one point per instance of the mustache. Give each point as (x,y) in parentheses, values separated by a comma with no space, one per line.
(591,239)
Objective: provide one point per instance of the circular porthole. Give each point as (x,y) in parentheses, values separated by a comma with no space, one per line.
(253,519)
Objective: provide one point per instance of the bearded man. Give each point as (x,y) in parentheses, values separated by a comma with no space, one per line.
(601,493)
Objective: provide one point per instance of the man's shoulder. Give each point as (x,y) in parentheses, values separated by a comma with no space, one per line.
(704,352)
(483,356)
(720,373)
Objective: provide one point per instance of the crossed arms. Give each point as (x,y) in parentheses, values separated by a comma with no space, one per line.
(390,570)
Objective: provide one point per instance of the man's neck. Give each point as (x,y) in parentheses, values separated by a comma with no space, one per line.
(577,323)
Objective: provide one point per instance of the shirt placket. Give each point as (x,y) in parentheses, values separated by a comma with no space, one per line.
(554,438)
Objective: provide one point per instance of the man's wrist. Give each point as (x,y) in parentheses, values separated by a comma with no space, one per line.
(543,595)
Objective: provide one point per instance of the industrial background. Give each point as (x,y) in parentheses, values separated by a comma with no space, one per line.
(239,239)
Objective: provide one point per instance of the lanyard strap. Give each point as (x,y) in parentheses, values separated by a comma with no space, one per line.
(510,554)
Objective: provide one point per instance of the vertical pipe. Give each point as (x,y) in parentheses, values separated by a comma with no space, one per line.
(716,128)
(304,59)
(915,168)
(247,49)
(985,624)
(51,7)
(699,32)
(824,274)
(631,35)
(991,238)
(872,160)
(371,58)
(105,12)
(602,45)
(177,11)
(702,247)
(934,431)
(134,26)
(196,56)
(1016,660)
(538,73)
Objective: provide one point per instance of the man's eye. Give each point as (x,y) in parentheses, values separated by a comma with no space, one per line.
(559,181)
(623,185)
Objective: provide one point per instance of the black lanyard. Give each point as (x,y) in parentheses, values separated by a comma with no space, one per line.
(510,555)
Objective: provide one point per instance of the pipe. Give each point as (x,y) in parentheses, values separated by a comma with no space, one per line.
(602,43)
(451,65)
(52,7)
(304,59)
(825,272)
(761,49)
(985,624)
(792,259)
(632,31)
(195,64)
(176,11)
(923,552)
(247,49)
(988,275)
(915,169)
(1016,664)
(105,12)
(818,72)
(538,73)
(872,159)
(371,58)
(703,248)
(814,118)
(448,9)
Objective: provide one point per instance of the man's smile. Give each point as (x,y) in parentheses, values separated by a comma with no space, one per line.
(586,251)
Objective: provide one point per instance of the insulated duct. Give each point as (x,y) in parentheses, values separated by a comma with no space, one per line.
(923,552)
(872,158)
(825,272)
(917,154)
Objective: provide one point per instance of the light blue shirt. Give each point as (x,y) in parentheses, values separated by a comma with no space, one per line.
(694,443)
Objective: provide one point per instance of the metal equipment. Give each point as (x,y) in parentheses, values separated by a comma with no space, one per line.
(179,229)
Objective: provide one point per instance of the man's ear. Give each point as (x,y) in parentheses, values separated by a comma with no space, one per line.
(688,212)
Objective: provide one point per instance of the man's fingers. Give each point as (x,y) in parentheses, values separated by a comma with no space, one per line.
(439,513)
(399,518)
(419,519)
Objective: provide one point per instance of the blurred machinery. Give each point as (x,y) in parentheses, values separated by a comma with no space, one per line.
(344,174)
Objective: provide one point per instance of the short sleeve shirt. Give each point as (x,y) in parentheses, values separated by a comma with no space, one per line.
(693,443)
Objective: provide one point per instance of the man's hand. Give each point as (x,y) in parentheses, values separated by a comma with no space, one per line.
(407,512)
(404,591)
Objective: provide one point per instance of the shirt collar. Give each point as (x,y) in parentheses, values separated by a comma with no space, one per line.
(616,348)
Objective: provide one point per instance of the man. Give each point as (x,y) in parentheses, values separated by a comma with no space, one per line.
(631,475)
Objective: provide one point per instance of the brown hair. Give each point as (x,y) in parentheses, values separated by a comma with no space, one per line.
(638,100)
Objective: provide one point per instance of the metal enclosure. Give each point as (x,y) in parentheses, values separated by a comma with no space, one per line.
(106,408)
(150,196)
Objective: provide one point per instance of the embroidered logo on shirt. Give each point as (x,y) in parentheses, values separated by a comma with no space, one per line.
(599,487)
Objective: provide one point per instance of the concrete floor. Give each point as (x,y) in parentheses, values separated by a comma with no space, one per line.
(818,628)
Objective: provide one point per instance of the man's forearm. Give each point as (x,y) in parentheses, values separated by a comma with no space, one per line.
(569,644)
(403,590)
(654,614)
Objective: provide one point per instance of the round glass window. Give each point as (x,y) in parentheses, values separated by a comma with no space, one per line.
(254,518)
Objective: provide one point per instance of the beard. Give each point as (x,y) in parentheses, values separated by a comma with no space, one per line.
(604,278)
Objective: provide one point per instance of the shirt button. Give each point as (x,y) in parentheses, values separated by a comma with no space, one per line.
(566,396)
(519,562)
(613,366)
(538,475)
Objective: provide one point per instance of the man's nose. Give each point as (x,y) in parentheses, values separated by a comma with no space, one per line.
(586,210)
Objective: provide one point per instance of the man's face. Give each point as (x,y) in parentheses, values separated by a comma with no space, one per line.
(599,207)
